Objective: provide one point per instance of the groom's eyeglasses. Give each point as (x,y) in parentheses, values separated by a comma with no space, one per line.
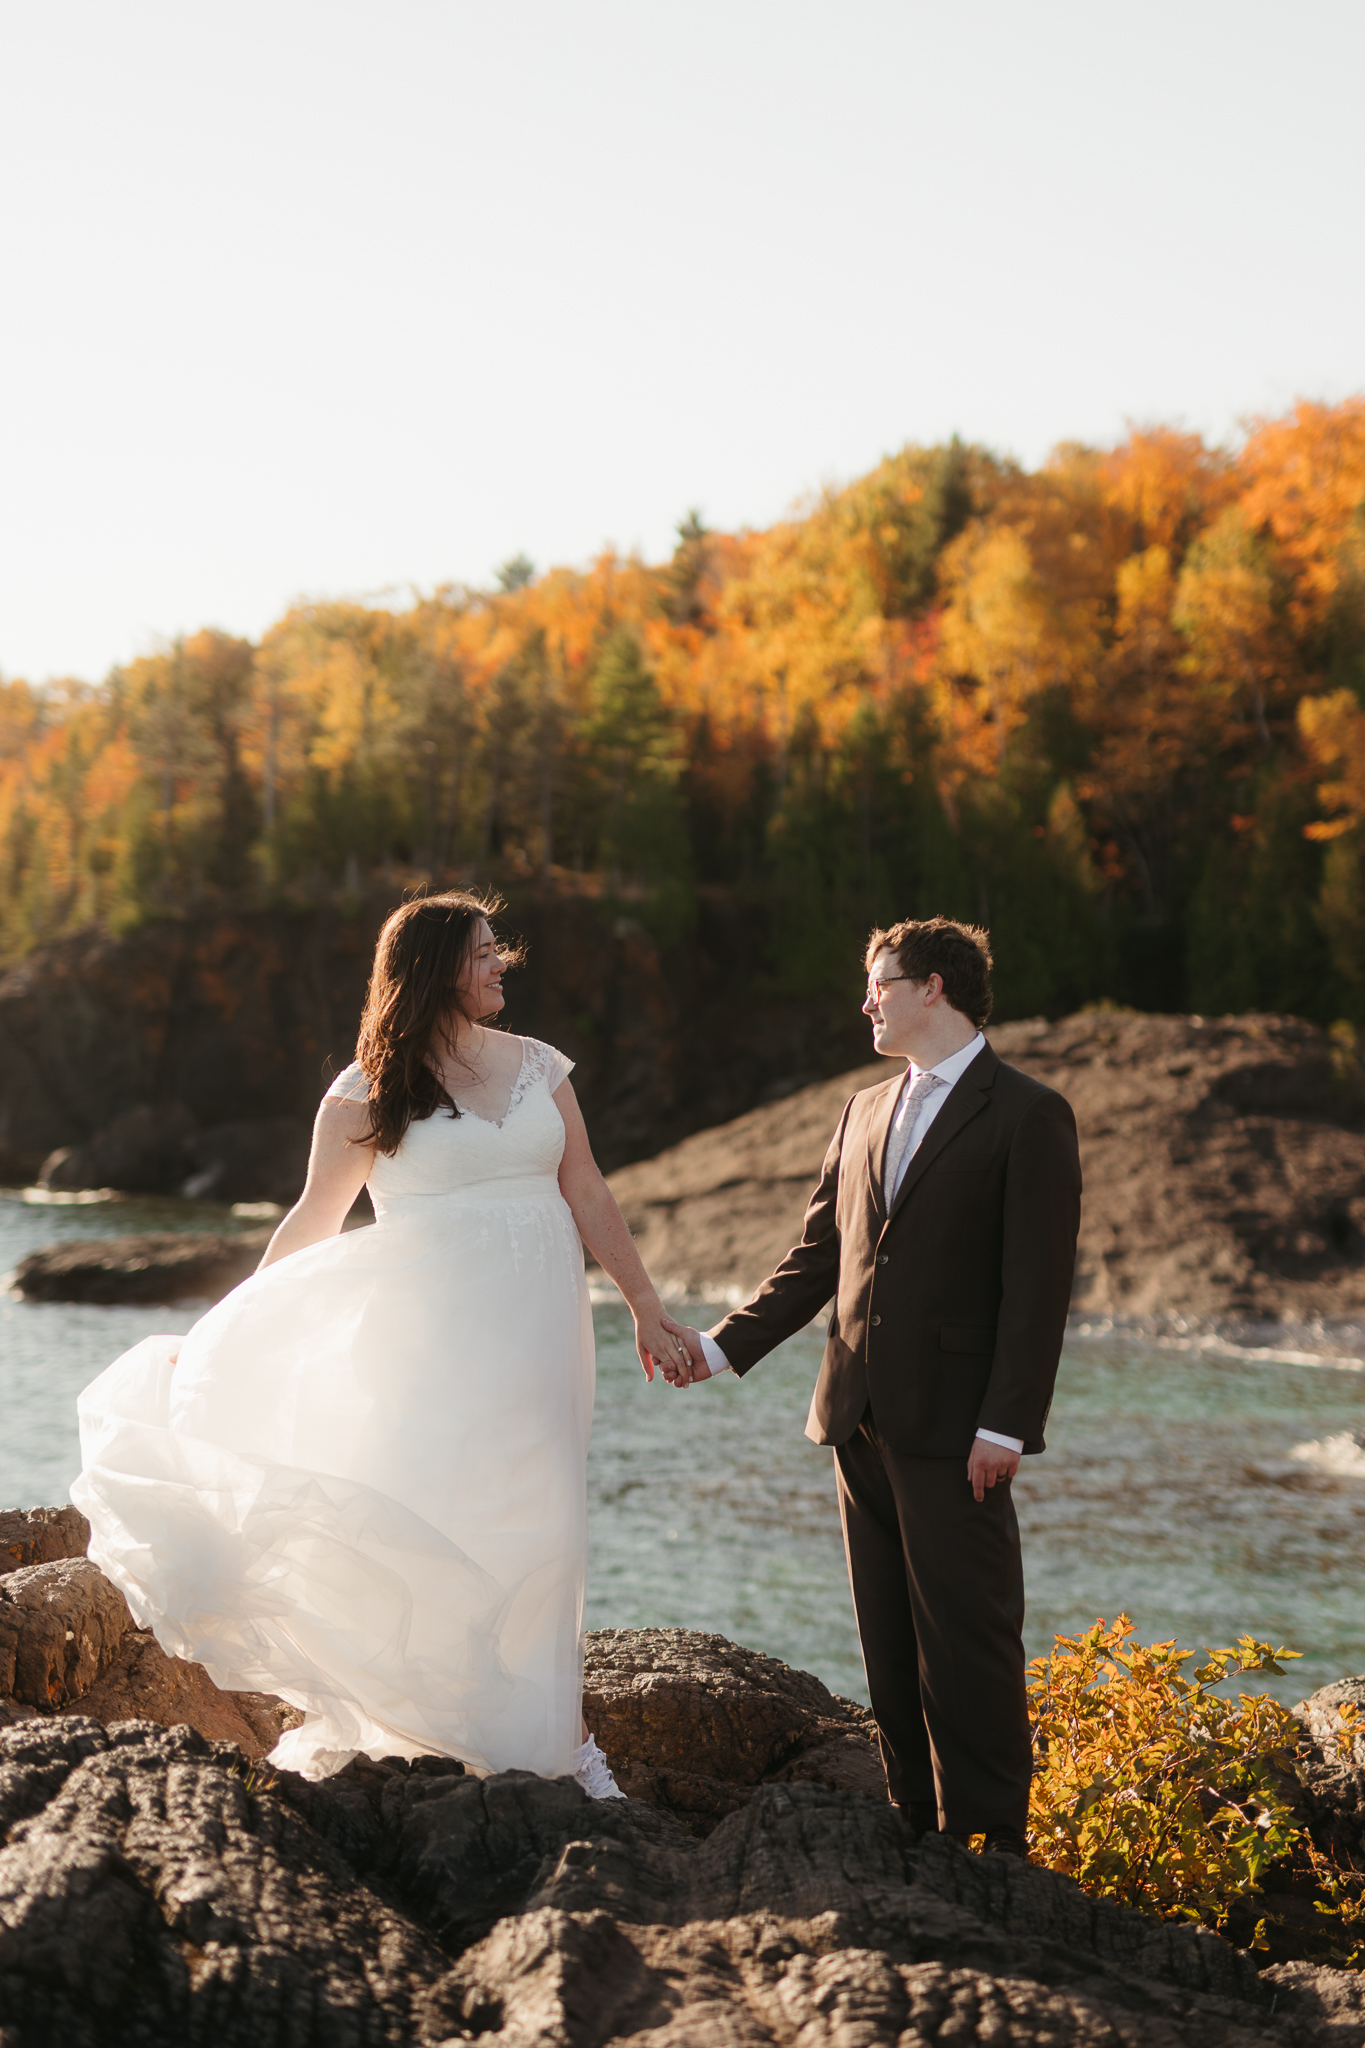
(881,981)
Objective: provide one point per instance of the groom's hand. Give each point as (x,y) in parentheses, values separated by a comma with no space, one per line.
(680,1372)
(989,1463)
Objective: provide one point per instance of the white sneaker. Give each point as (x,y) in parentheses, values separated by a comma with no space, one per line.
(594,1773)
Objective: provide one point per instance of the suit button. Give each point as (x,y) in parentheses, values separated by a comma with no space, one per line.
(883,1258)
(875,1321)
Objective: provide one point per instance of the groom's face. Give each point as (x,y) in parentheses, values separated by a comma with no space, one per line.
(893,1004)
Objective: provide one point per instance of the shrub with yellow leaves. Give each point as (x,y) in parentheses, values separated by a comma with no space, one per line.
(1152,1789)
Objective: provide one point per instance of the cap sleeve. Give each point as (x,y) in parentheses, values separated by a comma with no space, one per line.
(543,1063)
(560,1068)
(350,1085)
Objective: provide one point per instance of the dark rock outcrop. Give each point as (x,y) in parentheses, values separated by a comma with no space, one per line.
(1224,1164)
(158,1889)
(156,1149)
(148,1896)
(144,1150)
(150,1893)
(264,1159)
(153,1266)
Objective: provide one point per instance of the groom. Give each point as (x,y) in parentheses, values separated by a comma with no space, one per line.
(944,1226)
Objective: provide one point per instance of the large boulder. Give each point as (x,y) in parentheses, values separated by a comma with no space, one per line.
(60,1628)
(696,1723)
(69,1644)
(41,1535)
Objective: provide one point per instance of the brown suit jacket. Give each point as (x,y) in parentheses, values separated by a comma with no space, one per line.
(948,1312)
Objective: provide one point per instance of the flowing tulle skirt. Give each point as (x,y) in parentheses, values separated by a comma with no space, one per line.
(362,1484)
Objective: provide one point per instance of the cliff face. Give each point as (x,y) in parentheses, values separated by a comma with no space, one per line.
(1224,1165)
(206,1024)
(203,1026)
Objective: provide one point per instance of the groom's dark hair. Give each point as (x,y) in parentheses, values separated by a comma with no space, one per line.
(960,954)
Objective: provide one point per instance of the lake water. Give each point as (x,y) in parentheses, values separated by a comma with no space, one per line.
(1204,1487)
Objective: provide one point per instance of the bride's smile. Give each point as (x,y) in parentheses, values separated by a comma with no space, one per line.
(480,986)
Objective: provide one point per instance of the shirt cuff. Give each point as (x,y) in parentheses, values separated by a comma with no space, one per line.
(1006,1443)
(716,1361)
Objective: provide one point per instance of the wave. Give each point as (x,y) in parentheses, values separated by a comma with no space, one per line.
(1338,1345)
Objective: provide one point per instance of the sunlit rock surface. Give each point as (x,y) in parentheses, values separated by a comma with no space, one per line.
(696,1723)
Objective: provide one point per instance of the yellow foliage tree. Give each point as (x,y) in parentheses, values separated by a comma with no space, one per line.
(1303,480)
(1334,728)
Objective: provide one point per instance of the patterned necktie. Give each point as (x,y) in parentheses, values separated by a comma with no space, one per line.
(898,1144)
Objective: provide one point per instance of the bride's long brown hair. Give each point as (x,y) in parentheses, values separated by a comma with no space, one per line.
(424,952)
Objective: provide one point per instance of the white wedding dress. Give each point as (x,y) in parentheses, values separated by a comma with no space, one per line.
(362,1485)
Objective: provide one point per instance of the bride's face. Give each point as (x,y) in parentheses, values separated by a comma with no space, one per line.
(480,985)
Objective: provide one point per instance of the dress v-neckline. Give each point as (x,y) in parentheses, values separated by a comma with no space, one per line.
(513,1098)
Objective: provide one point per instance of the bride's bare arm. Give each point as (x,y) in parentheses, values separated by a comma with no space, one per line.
(337,1166)
(603,1230)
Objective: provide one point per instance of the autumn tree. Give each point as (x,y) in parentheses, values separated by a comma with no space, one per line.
(1109,706)
(633,764)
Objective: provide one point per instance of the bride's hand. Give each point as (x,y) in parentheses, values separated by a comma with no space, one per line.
(691,1366)
(655,1343)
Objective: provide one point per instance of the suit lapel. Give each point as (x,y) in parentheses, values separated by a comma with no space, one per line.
(971,1094)
(878,1131)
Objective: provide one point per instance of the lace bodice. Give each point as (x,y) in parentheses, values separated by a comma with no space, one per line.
(442,1154)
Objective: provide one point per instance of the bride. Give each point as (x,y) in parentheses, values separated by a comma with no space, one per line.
(360,1484)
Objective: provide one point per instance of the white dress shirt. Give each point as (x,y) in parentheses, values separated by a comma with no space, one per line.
(949,1071)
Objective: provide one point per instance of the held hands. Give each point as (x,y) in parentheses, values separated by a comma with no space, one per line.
(988,1463)
(680,1371)
(659,1341)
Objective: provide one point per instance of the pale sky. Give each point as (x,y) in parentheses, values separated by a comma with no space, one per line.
(323,299)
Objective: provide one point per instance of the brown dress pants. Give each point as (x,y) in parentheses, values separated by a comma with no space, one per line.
(938,1590)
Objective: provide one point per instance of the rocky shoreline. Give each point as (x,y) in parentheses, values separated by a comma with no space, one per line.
(1224,1164)
(1223,1158)
(159,1887)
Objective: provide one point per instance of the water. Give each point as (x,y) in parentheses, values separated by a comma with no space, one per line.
(1170,1490)
(50,1350)
(1205,1488)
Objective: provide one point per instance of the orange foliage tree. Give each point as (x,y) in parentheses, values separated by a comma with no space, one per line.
(1111,706)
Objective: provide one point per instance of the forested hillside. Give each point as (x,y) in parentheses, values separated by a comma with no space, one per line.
(1114,708)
